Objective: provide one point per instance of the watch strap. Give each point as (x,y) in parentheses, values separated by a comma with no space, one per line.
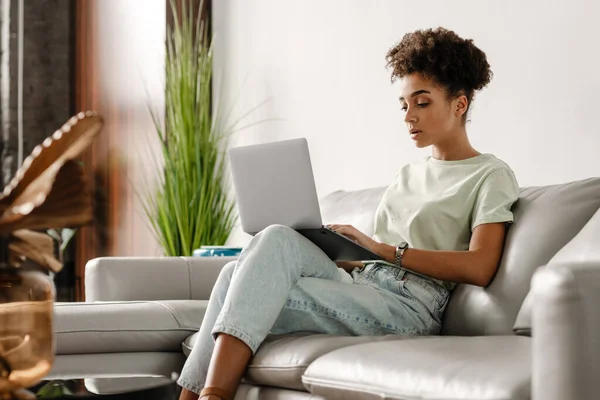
(399,253)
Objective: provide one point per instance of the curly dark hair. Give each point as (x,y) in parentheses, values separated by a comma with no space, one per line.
(441,55)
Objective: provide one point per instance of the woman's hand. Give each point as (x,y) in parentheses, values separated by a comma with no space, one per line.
(351,232)
(349,266)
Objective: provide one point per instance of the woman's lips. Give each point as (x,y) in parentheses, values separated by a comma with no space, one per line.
(415,134)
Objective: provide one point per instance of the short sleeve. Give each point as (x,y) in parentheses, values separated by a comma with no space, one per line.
(495,198)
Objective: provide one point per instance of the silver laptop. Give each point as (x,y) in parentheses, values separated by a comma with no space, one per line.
(274,184)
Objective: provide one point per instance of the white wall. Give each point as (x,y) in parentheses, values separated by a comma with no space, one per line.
(321,63)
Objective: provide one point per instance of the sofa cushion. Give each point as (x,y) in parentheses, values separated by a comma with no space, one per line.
(188,344)
(465,368)
(154,363)
(152,278)
(583,247)
(114,327)
(282,359)
(546,218)
(355,208)
(255,392)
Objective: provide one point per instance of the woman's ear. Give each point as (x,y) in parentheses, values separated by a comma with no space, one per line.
(461,105)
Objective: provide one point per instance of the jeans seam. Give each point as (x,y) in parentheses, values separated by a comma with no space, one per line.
(339,316)
(371,274)
(410,296)
(238,333)
(374,268)
(429,289)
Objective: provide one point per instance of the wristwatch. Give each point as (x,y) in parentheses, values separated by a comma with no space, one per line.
(399,253)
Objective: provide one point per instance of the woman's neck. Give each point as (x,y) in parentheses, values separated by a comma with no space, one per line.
(458,148)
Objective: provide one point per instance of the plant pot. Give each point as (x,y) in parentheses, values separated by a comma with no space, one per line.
(26,340)
(217,251)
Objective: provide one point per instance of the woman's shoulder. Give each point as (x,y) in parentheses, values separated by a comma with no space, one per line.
(499,169)
(494,163)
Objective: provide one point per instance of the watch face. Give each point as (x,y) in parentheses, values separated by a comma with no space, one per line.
(403,245)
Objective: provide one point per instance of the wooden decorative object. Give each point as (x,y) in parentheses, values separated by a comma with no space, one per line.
(48,191)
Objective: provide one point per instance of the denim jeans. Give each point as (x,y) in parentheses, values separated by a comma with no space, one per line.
(283,283)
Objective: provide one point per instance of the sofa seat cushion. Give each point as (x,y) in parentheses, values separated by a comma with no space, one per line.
(452,367)
(282,359)
(115,327)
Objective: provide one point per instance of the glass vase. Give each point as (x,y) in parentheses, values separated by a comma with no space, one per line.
(26,340)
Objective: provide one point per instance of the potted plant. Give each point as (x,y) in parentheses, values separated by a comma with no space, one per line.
(65,280)
(190,207)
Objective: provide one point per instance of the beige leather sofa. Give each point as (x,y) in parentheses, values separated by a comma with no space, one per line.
(142,313)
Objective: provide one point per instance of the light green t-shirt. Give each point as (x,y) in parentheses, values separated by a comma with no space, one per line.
(435,204)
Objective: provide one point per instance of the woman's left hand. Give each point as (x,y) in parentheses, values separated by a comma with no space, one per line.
(352,233)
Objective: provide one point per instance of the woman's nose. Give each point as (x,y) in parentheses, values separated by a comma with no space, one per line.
(409,116)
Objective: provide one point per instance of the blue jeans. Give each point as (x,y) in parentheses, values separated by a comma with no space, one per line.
(283,283)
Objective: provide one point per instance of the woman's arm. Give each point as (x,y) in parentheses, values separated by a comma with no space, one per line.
(476,266)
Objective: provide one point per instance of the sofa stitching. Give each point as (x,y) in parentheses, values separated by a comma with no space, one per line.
(336,384)
(165,306)
(102,303)
(170,310)
(333,384)
(125,330)
(187,346)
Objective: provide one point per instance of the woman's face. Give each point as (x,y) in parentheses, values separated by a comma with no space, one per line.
(430,118)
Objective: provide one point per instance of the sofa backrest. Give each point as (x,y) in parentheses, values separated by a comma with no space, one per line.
(546,218)
(339,207)
(582,249)
(356,208)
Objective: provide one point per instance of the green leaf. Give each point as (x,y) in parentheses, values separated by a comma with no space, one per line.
(67,234)
(54,234)
(53,389)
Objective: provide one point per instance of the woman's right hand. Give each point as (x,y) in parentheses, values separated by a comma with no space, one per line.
(348,266)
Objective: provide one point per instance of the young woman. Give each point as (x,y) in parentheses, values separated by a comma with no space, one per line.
(441,222)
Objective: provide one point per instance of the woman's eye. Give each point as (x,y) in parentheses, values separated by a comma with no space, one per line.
(421,105)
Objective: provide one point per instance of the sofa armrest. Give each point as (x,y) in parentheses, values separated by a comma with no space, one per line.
(152,278)
(566,331)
